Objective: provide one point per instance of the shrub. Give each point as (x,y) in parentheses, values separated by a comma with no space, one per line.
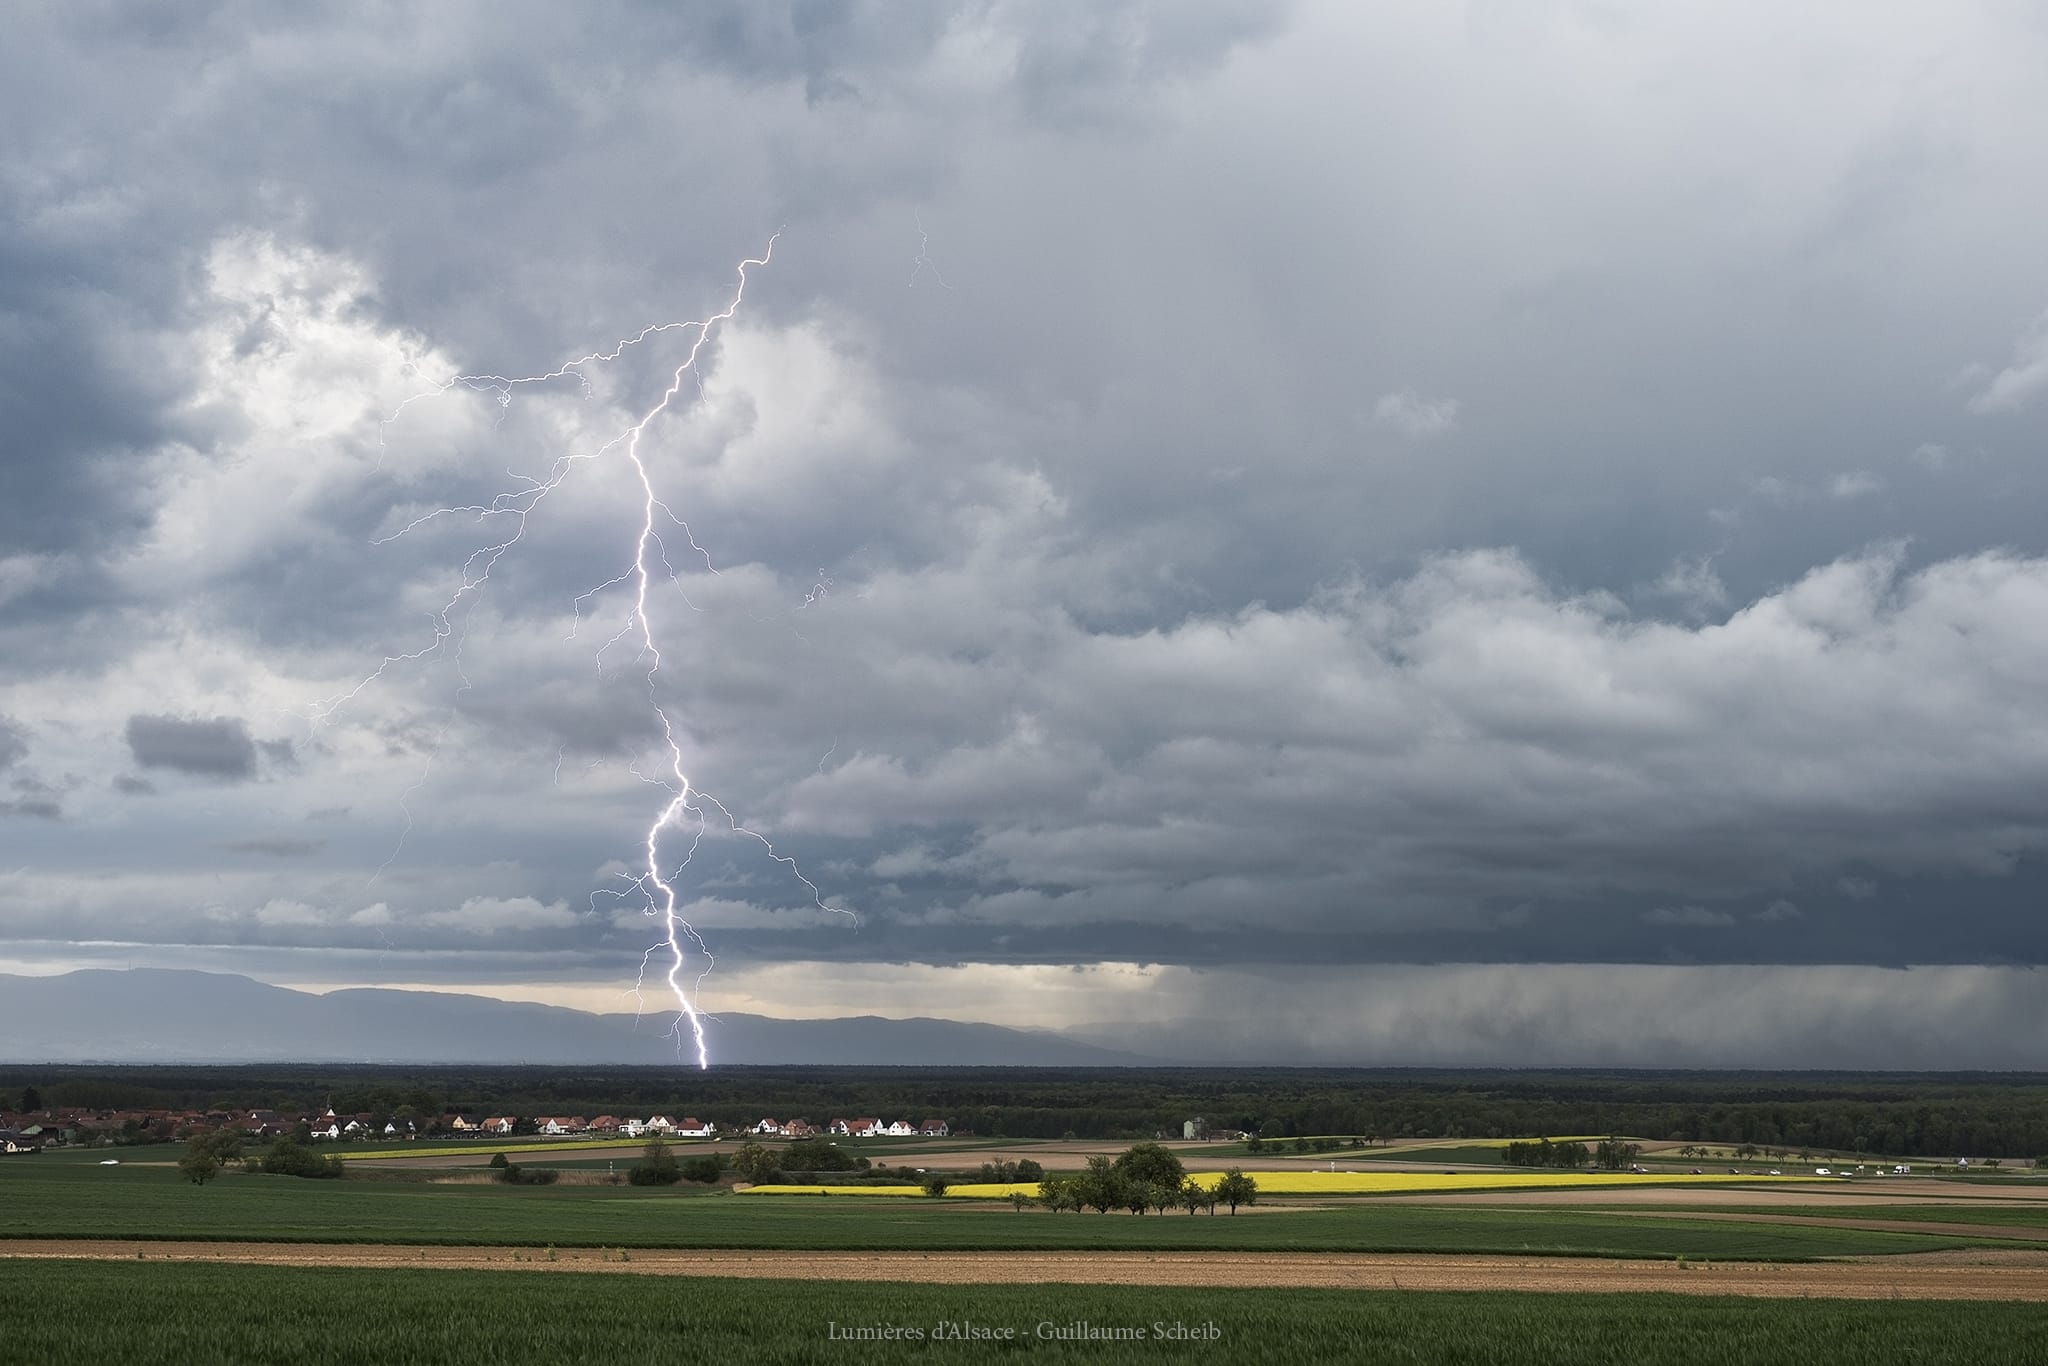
(657,1166)
(703,1170)
(814,1155)
(287,1158)
(513,1175)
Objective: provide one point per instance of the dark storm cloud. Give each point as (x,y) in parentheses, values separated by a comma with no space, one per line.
(31,806)
(32,798)
(274,846)
(219,747)
(1372,486)
(13,742)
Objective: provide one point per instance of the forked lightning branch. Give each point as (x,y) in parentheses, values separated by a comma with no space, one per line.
(684,815)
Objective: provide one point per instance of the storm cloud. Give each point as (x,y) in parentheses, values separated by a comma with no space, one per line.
(1314,494)
(218,747)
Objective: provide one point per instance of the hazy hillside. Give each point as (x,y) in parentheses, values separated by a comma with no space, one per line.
(161,1015)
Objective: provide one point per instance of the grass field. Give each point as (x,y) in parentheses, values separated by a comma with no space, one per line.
(1477,1150)
(145,1203)
(1927,1212)
(153,1312)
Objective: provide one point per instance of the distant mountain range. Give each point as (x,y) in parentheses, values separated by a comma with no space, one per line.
(165,1015)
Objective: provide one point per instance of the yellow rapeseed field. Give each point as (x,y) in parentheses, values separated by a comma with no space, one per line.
(1347,1183)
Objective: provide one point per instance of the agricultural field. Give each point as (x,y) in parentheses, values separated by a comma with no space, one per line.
(149,1203)
(415,1255)
(151,1312)
(1322,1183)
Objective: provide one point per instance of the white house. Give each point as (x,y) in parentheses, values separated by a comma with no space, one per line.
(935,1128)
(768,1126)
(696,1128)
(661,1124)
(632,1128)
(865,1127)
(327,1128)
(901,1128)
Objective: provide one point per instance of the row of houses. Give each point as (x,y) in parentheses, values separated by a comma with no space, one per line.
(607,1125)
(875,1128)
(690,1127)
(26,1131)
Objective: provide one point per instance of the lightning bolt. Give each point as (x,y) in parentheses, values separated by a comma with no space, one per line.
(686,807)
(924,261)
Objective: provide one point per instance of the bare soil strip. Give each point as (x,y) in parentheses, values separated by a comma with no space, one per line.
(2021,1275)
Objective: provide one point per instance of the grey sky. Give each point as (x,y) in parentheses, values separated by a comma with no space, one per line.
(1238,488)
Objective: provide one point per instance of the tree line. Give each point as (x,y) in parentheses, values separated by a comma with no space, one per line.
(1609,1154)
(1907,1115)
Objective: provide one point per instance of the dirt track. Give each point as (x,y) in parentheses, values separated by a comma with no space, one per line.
(1995,1275)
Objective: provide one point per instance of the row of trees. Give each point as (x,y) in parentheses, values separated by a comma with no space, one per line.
(1610,1154)
(1143,1177)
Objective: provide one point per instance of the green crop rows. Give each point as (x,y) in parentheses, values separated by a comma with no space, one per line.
(146,1313)
(146,1203)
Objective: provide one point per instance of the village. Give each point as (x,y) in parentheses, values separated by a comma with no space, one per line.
(28,1132)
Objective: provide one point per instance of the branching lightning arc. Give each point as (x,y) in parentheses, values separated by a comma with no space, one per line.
(686,804)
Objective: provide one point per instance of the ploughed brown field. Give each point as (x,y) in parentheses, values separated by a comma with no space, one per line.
(1975,1275)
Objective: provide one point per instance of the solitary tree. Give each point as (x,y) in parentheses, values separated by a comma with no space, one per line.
(934,1185)
(198,1166)
(1237,1189)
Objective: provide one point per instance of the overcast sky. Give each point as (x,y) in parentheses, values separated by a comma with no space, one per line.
(1522,517)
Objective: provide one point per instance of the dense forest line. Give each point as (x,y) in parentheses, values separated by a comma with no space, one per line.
(1908,1115)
